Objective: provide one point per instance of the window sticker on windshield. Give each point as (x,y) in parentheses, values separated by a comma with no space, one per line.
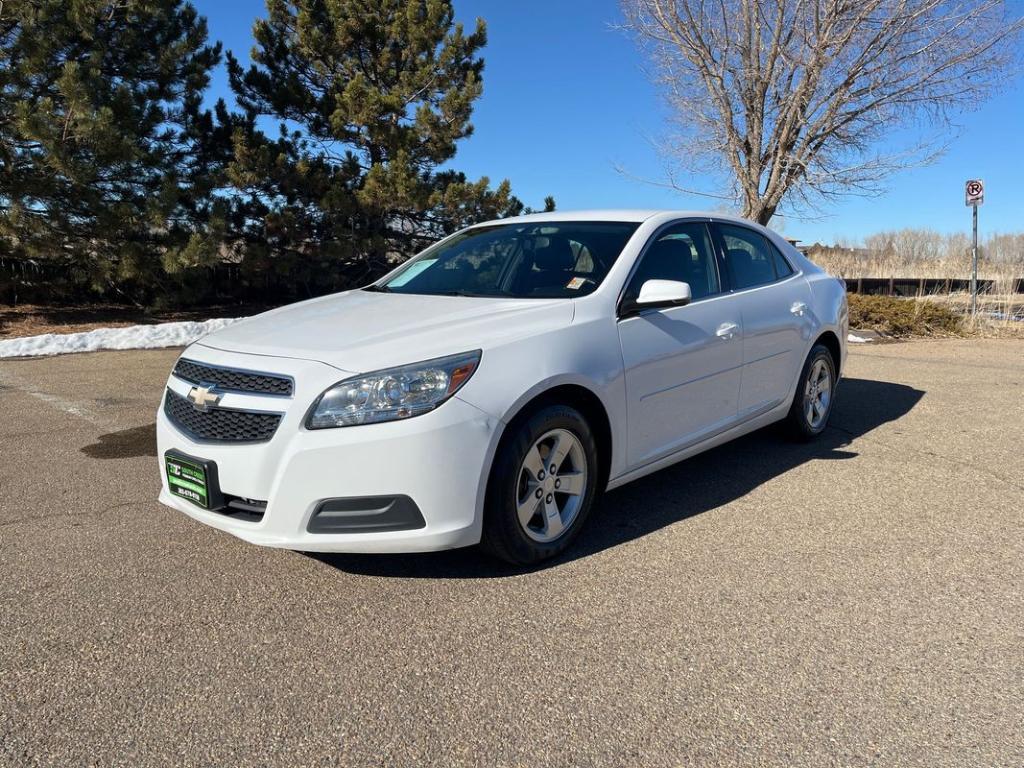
(410,273)
(576,283)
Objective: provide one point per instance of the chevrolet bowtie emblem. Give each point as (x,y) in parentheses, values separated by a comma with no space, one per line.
(203,397)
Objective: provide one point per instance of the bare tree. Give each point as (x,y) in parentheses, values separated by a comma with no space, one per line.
(790,98)
(1005,248)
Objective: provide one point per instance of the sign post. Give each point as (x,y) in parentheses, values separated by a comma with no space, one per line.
(974,195)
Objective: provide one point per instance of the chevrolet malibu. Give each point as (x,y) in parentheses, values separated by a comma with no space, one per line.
(491,388)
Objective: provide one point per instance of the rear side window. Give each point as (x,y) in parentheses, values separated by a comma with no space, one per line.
(748,255)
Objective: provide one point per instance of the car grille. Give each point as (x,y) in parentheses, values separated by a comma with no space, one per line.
(233,380)
(224,425)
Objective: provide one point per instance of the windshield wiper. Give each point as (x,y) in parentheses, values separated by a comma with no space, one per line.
(377,288)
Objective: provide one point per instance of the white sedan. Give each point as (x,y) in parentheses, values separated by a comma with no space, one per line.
(489,389)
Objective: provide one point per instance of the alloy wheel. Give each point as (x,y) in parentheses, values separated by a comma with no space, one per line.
(551,485)
(818,394)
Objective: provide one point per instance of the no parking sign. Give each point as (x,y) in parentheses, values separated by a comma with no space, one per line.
(974,192)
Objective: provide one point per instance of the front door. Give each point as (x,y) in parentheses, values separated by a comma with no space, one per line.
(682,364)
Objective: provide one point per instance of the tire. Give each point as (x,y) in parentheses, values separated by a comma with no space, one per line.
(813,400)
(520,526)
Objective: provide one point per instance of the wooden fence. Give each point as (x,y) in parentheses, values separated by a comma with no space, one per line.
(923,286)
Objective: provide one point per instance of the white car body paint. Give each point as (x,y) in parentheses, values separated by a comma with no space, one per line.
(673,382)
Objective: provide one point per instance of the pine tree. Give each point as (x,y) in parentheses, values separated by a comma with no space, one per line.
(372,97)
(107,160)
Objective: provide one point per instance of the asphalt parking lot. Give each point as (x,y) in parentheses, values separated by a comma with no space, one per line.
(858,601)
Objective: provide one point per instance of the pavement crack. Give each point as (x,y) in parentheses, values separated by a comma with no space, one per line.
(932,454)
(87,513)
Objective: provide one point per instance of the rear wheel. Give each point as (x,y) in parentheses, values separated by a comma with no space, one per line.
(542,488)
(815,394)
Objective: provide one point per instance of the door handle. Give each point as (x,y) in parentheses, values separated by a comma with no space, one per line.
(727,330)
(798,308)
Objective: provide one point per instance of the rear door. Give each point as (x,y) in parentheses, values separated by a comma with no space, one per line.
(682,364)
(773,301)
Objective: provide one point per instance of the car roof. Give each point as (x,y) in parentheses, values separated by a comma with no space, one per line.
(613,214)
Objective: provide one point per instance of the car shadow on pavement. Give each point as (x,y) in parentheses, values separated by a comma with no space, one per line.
(672,495)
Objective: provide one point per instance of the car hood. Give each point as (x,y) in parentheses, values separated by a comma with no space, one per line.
(359,331)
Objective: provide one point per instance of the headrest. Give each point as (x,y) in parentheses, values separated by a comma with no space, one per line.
(753,270)
(556,255)
(666,259)
(675,247)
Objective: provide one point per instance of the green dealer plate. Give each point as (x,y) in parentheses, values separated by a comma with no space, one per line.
(188,479)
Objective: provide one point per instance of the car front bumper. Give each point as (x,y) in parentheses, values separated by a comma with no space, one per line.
(439,460)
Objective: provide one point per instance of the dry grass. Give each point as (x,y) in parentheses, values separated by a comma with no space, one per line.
(999,314)
(993,328)
(33,319)
(851,264)
(998,306)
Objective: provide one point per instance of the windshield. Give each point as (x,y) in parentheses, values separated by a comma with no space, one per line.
(545,260)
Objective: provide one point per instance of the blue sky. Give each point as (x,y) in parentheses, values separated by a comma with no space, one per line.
(566,100)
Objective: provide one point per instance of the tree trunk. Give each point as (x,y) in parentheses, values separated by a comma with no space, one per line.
(758,210)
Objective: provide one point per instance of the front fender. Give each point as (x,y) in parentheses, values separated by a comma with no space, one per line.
(584,355)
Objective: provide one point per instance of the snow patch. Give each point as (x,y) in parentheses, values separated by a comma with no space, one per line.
(131,337)
(856,339)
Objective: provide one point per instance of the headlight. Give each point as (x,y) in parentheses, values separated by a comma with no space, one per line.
(396,393)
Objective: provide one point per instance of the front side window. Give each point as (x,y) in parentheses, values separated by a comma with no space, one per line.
(683,253)
(748,257)
(545,260)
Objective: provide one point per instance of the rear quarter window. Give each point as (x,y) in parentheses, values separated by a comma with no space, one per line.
(782,266)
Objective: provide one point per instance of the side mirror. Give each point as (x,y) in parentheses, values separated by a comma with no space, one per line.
(663,293)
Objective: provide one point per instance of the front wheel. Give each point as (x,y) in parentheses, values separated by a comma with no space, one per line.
(542,487)
(815,394)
